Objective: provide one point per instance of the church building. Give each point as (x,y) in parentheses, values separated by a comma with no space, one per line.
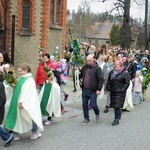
(26,26)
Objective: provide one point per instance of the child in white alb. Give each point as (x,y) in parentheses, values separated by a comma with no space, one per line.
(137,89)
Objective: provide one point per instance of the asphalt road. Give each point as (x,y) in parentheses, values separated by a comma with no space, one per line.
(66,133)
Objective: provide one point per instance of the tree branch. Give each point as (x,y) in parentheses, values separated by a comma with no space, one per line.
(136,2)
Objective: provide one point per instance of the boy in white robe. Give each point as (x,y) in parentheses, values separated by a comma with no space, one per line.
(50,99)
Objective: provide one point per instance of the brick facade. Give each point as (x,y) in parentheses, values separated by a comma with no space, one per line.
(2,24)
(26,46)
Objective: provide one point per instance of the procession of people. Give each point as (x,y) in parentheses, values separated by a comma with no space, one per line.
(116,73)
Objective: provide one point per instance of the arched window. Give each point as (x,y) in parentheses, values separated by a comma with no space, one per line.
(26,16)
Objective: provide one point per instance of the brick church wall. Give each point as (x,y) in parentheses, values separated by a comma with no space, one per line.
(27,46)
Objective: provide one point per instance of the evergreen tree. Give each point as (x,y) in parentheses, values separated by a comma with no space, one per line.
(115,35)
(140,40)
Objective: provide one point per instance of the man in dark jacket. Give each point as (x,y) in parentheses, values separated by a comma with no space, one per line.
(3,133)
(92,82)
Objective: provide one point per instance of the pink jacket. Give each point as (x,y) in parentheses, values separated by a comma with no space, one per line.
(138,84)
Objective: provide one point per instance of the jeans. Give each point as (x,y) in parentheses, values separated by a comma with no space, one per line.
(40,87)
(4,134)
(86,96)
(117,112)
(137,96)
(34,127)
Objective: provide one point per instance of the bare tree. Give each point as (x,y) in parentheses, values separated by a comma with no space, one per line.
(123,9)
(145,24)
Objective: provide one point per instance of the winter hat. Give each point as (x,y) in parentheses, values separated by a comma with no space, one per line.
(138,72)
(144,58)
(63,61)
(144,69)
(52,58)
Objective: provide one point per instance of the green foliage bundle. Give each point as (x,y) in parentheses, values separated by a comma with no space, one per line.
(67,56)
(76,47)
(9,78)
(47,71)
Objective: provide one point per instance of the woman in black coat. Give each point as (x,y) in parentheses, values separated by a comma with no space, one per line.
(117,84)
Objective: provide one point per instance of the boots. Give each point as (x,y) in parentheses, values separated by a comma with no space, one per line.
(66,97)
(116,122)
(106,109)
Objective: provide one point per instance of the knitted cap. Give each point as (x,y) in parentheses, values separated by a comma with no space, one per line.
(138,72)
(144,69)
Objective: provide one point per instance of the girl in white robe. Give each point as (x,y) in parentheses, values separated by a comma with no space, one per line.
(24,110)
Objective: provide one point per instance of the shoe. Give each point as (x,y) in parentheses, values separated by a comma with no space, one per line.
(8,142)
(16,137)
(44,119)
(106,109)
(35,135)
(47,122)
(85,122)
(66,97)
(74,90)
(62,110)
(116,122)
(97,118)
(120,114)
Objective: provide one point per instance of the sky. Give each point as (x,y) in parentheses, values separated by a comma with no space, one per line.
(135,11)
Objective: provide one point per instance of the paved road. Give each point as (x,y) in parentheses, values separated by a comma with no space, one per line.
(66,133)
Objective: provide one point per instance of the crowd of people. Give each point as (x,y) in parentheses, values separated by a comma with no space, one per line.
(117,73)
(125,75)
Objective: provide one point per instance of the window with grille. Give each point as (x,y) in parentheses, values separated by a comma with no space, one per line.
(55,13)
(52,12)
(58,12)
(26,16)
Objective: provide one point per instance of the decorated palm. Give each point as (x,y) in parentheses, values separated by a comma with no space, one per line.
(49,74)
(9,78)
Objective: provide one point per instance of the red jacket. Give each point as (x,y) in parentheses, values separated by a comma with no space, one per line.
(48,64)
(40,77)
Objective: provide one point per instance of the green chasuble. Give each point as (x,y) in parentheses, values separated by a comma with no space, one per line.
(45,98)
(12,111)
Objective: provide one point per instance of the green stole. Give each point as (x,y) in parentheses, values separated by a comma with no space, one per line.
(45,98)
(11,116)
